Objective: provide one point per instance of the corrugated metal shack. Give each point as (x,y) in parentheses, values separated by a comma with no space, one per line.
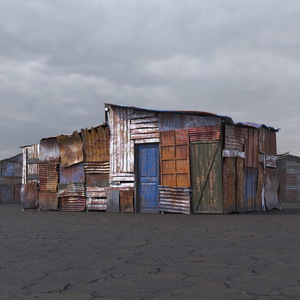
(189,162)
(67,172)
(288,177)
(11,179)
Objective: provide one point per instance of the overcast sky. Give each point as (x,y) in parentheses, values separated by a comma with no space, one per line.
(61,60)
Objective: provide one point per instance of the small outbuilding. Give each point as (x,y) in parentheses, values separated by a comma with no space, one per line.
(189,162)
(288,177)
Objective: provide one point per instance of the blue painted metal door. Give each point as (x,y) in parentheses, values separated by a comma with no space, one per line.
(147,177)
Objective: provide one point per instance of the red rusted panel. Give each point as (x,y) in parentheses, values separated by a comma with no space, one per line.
(97,180)
(126,201)
(229,184)
(71,151)
(174,156)
(205,133)
(48,177)
(251,148)
(48,201)
(72,203)
(29,195)
(96,144)
(96,167)
(234,137)
(71,189)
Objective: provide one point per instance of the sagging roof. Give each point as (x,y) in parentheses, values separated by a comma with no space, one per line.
(198,113)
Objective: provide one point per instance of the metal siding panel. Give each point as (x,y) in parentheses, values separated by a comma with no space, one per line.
(205,133)
(70,203)
(234,137)
(174,199)
(271,189)
(206,173)
(72,174)
(126,201)
(97,180)
(173,121)
(251,148)
(48,201)
(250,188)
(240,192)
(48,177)
(229,185)
(71,149)
(29,195)
(113,202)
(49,150)
(259,190)
(148,177)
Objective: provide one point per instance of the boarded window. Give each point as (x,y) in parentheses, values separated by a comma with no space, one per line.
(174,158)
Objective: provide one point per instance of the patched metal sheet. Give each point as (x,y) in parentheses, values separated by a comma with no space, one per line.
(48,177)
(173,121)
(97,167)
(96,198)
(97,180)
(71,189)
(234,137)
(71,149)
(267,141)
(205,133)
(96,144)
(251,148)
(271,189)
(29,195)
(174,199)
(126,201)
(72,174)
(113,200)
(250,189)
(72,204)
(48,201)
(49,150)
(229,185)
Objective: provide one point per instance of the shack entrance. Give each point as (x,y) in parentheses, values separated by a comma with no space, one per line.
(147,177)
(206,170)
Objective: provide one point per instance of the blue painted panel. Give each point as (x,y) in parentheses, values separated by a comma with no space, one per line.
(72,174)
(250,189)
(148,177)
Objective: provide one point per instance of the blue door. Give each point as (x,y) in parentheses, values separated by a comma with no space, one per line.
(147,177)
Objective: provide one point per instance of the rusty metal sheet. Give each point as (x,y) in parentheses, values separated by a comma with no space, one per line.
(29,195)
(97,180)
(48,201)
(48,177)
(240,185)
(72,174)
(71,189)
(206,176)
(96,192)
(271,189)
(97,167)
(229,185)
(250,189)
(96,144)
(267,141)
(174,199)
(71,149)
(251,148)
(126,201)
(72,204)
(144,128)
(205,133)
(49,150)
(234,137)
(174,158)
(259,189)
(173,121)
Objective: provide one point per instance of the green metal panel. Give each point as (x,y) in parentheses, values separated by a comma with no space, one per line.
(206,173)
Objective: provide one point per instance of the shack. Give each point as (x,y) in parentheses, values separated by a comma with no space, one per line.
(11,179)
(288,177)
(189,162)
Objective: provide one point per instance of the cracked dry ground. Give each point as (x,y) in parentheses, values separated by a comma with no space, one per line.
(61,255)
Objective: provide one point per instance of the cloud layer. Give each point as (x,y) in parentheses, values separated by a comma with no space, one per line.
(61,60)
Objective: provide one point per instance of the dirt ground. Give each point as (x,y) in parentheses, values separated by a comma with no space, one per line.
(98,255)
